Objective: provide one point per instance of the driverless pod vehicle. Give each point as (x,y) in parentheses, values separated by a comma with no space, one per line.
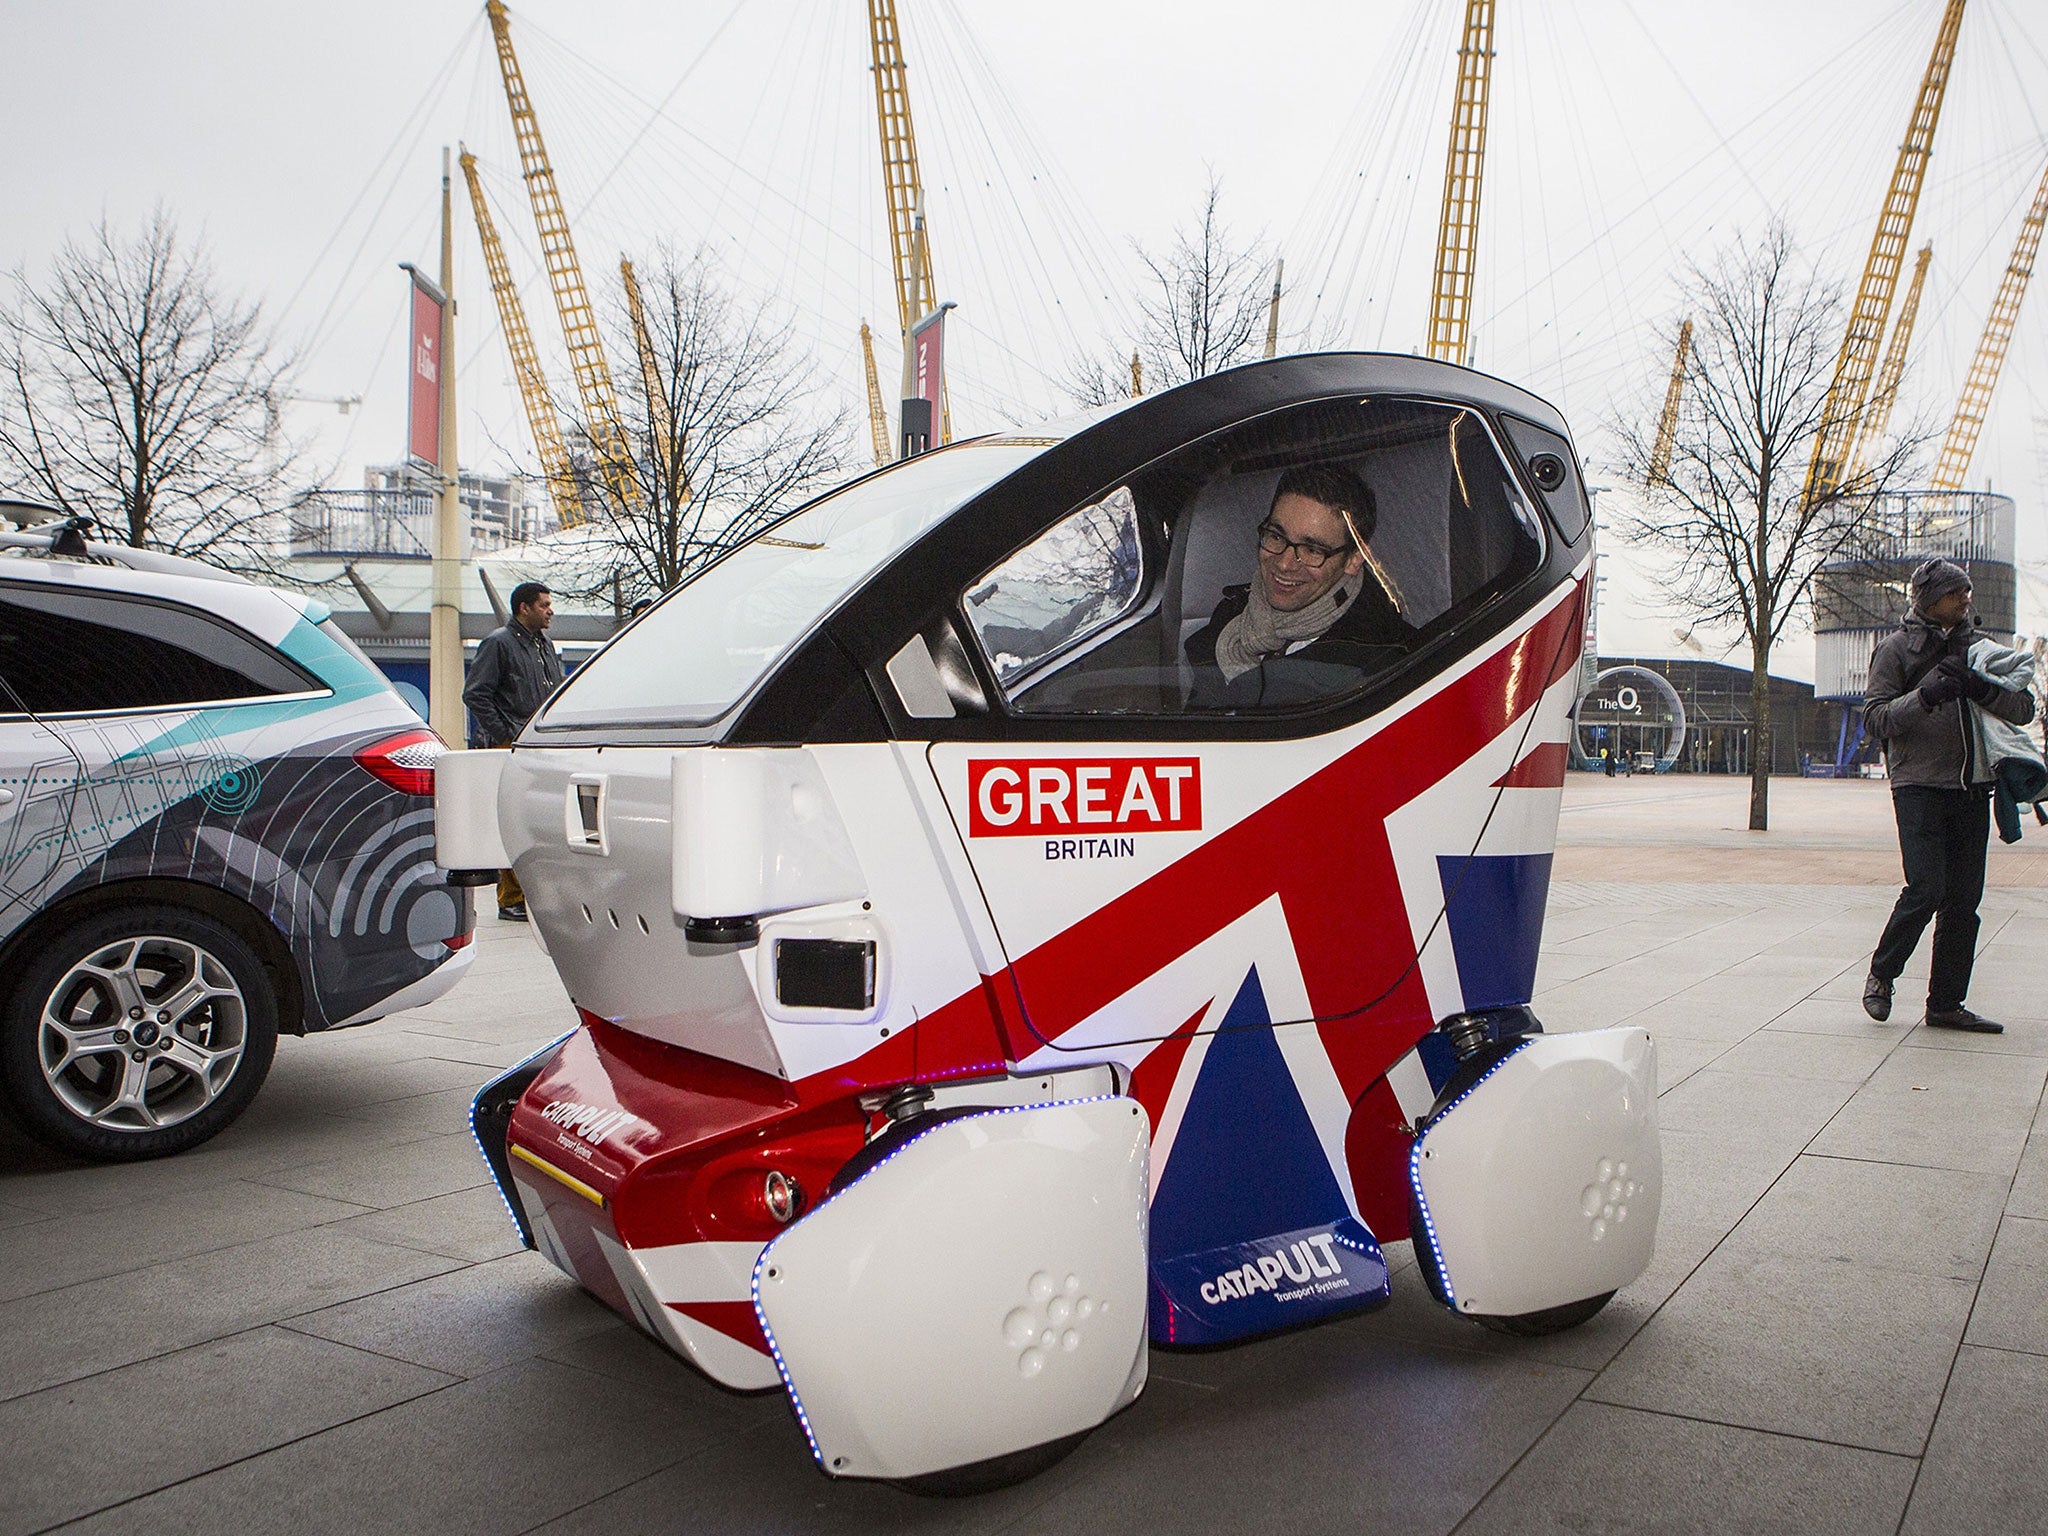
(975,985)
(215,825)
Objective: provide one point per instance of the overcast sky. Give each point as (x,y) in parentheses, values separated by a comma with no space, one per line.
(302,143)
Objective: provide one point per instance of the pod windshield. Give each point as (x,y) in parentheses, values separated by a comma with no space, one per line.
(696,653)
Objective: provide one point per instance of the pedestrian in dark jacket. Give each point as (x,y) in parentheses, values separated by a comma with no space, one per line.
(515,670)
(1920,693)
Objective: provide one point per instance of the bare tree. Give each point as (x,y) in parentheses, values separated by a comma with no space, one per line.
(1743,539)
(1203,308)
(1089,382)
(1206,306)
(735,430)
(134,390)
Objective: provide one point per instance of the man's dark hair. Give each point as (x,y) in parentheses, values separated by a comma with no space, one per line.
(1337,487)
(529,592)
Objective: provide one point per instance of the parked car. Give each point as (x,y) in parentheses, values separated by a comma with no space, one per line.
(991,962)
(215,825)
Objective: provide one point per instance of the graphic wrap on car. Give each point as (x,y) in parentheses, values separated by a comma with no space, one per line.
(265,801)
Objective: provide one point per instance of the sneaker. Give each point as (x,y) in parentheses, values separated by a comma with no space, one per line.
(1877,997)
(516,913)
(1962,1018)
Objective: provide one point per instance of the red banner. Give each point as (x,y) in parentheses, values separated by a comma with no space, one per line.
(423,436)
(1029,797)
(928,362)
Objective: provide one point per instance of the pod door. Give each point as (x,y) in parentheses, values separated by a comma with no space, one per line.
(1266,700)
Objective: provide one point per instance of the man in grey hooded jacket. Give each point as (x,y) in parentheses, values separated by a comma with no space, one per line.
(1920,693)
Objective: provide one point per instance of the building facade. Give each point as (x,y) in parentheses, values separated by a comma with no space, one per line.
(1710,701)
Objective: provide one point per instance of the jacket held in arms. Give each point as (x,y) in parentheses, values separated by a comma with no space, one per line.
(1922,746)
(514,672)
(2018,775)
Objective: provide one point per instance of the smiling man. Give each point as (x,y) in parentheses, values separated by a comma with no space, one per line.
(1316,617)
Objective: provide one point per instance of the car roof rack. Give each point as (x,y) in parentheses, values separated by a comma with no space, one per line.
(39,528)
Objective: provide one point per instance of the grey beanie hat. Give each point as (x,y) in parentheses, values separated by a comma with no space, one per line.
(1933,580)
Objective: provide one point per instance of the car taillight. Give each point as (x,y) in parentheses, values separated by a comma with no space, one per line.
(460,941)
(404,761)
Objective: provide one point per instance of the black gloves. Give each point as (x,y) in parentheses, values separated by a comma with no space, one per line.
(1940,687)
(1968,684)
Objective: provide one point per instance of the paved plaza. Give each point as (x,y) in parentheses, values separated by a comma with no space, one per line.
(322,1321)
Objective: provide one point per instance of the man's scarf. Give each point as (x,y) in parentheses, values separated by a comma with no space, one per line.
(1263,631)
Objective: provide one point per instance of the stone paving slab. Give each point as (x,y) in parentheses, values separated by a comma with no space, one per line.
(1845,1326)
(1986,1468)
(1607,1471)
(123,1433)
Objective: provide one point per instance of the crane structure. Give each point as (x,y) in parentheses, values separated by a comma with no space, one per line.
(1667,423)
(660,422)
(1961,442)
(878,415)
(587,362)
(1273,309)
(555,463)
(902,187)
(1457,236)
(1877,419)
(1842,415)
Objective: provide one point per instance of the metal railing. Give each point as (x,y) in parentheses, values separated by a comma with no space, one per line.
(393,524)
(1954,525)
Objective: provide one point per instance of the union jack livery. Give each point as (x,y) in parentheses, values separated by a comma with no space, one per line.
(1074,892)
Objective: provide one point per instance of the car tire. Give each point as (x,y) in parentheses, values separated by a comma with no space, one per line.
(1533,1325)
(136,1032)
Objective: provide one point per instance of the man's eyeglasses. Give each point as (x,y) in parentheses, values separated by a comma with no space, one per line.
(1273,540)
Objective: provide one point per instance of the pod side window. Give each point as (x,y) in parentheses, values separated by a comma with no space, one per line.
(1289,562)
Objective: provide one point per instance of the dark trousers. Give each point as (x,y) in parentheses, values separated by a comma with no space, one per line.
(1943,834)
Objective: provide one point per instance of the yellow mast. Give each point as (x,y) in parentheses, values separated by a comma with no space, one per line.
(1857,360)
(659,420)
(1961,441)
(902,187)
(1667,424)
(533,387)
(565,274)
(901,184)
(1878,418)
(1457,236)
(878,415)
(1273,310)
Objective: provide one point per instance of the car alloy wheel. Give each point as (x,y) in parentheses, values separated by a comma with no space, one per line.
(135,1031)
(143,1033)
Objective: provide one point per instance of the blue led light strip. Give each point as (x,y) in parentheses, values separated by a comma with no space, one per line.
(1371,1248)
(1436,1247)
(796,1401)
(505,1199)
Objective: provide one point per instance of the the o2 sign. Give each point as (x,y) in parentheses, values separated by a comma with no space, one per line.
(1627,700)
(1034,797)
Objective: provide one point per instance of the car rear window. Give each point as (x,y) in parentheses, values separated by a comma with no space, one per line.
(65,652)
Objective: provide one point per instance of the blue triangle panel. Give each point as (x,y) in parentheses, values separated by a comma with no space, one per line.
(1494,905)
(1247,1179)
